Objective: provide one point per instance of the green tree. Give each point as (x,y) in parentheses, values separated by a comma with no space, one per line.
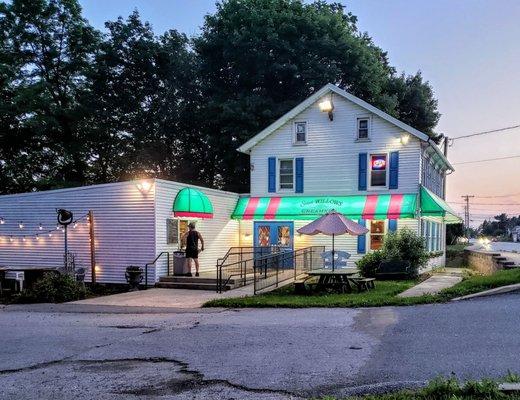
(259,58)
(46,48)
(142,104)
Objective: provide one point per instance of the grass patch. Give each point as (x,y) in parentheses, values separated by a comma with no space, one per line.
(385,294)
(447,389)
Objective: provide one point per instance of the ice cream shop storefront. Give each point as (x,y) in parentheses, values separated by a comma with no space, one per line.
(269,221)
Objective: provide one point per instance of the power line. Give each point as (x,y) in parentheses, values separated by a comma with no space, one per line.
(498,195)
(486,160)
(485,132)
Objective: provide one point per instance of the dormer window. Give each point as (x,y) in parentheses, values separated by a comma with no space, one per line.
(362,128)
(300,132)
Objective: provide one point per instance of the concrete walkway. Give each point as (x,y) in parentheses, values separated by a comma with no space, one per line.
(164,298)
(432,285)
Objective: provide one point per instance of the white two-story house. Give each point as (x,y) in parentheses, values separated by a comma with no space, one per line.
(335,151)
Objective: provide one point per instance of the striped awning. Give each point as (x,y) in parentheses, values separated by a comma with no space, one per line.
(372,206)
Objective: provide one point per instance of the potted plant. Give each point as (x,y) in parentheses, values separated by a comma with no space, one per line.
(134,276)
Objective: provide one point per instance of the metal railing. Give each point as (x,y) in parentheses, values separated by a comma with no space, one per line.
(152,263)
(238,265)
(271,270)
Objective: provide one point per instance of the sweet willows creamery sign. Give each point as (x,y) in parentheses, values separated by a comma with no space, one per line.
(375,206)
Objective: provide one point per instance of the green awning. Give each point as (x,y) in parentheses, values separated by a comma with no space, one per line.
(192,203)
(372,206)
(433,206)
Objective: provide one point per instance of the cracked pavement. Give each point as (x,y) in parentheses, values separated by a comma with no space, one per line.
(50,352)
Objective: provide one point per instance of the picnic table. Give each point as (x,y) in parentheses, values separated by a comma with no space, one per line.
(339,279)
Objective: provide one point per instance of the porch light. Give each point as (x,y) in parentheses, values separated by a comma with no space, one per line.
(405,138)
(144,186)
(327,106)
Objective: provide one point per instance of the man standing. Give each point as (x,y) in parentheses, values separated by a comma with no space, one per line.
(191,239)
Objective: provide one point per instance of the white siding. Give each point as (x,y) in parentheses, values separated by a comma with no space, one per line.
(219,233)
(124,228)
(347,243)
(331,153)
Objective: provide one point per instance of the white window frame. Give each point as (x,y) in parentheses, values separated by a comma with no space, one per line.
(369,127)
(279,181)
(369,233)
(369,170)
(296,142)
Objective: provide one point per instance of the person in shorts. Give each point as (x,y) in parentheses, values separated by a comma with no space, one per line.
(191,239)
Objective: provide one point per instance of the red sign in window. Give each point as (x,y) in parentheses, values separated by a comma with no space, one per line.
(379,163)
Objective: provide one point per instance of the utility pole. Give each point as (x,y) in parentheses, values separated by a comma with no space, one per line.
(466,213)
(445,151)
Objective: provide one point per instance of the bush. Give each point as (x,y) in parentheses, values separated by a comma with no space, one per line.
(406,245)
(54,288)
(370,263)
(403,245)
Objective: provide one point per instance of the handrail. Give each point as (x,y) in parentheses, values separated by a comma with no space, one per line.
(242,263)
(153,262)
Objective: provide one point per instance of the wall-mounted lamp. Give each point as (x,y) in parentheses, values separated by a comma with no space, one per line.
(327,106)
(144,186)
(405,138)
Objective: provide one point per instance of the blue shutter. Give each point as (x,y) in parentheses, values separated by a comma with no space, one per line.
(394,170)
(271,175)
(362,178)
(362,239)
(299,175)
(392,225)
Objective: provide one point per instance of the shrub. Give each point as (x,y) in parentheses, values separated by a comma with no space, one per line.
(406,245)
(54,288)
(370,263)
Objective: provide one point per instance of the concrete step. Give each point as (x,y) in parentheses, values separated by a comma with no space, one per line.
(197,280)
(511,266)
(497,258)
(504,263)
(192,286)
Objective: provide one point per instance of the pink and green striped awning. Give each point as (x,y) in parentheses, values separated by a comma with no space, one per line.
(372,206)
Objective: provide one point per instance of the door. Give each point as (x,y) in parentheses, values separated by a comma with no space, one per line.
(274,235)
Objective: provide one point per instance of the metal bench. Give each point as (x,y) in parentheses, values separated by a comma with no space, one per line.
(393,269)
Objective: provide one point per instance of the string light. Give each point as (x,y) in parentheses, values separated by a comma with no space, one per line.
(40,229)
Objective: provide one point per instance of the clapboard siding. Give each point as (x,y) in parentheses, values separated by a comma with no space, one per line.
(124,228)
(219,233)
(331,153)
(343,242)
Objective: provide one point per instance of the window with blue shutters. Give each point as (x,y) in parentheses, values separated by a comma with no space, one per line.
(299,175)
(362,171)
(271,174)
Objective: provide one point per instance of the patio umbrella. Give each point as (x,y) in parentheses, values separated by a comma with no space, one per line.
(333,223)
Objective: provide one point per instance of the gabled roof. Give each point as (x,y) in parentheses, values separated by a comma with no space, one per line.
(246,147)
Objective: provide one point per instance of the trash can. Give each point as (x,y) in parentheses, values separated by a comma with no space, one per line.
(180,266)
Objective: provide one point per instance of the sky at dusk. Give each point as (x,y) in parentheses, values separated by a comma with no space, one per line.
(467,49)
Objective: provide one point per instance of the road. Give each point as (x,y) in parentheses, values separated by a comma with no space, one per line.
(251,354)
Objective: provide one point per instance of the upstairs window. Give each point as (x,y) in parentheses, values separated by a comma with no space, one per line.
(378,170)
(300,132)
(286,174)
(362,128)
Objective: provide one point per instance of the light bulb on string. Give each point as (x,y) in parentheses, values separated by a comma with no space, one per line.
(57,227)
(40,227)
(75,225)
(11,239)
(37,237)
(2,221)
(20,225)
(24,239)
(50,234)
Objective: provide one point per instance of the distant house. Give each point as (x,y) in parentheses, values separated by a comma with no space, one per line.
(515,233)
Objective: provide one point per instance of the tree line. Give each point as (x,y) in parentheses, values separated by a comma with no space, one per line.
(82,106)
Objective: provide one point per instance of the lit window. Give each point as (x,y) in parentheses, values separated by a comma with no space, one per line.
(362,128)
(286,174)
(378,170)
(377,234)
(300,132)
